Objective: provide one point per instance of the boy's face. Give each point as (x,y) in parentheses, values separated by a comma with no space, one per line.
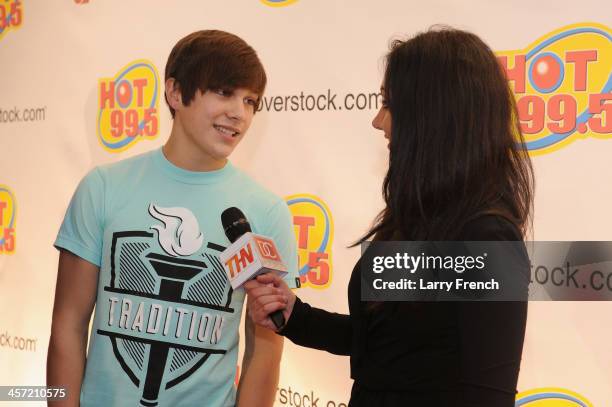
(216,120)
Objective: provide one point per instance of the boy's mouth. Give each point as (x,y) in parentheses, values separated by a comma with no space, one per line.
(227,130)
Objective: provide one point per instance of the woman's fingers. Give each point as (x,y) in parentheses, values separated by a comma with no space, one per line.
(270,278)
(260,310)
(262,300)
(258,292)
(268,293)
(251,284)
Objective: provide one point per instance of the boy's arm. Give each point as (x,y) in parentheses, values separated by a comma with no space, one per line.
(260,366)
(75,296)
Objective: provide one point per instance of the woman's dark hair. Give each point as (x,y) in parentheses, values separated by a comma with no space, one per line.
(456,148)
(214,59)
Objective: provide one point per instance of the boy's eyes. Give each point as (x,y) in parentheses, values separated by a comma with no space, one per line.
(224,92)
(228,93)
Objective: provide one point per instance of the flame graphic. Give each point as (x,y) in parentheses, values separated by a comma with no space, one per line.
(180,234)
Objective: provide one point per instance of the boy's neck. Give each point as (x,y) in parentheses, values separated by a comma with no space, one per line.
(188,157)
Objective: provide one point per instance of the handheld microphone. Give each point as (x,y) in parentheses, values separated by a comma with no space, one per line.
(249,255)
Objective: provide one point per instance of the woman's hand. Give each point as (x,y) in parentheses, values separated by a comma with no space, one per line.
(265,294)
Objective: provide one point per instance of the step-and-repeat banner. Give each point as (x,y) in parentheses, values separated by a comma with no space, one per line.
(77,76)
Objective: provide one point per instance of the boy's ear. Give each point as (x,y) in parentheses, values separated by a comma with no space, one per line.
(173,93)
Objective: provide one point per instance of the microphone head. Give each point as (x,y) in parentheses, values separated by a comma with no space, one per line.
(234,223)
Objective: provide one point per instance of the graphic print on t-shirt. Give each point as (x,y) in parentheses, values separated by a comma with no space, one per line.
(166,303)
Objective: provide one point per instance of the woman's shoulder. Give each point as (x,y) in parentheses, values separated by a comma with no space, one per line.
(489,227)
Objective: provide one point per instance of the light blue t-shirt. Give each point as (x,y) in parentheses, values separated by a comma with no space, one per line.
(166,321)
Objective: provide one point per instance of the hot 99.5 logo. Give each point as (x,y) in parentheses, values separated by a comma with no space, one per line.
(11,15)
(314,232)
(128,106)
(562,84)
(8,212)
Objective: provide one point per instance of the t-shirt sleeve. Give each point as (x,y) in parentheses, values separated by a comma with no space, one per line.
(279,226)
(82,229)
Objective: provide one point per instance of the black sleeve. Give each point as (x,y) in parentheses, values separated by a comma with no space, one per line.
(491,344)
(491,334)
(319,329)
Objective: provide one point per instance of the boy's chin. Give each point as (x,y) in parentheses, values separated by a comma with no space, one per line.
(223,155)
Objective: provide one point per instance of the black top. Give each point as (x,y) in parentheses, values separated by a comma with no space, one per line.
(424,354)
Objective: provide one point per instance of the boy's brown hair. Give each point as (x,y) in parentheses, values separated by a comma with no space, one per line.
(214,59)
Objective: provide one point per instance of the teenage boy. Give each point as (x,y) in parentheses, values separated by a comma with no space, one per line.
(141,241)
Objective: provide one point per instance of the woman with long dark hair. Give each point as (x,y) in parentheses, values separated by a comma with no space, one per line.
(457,171)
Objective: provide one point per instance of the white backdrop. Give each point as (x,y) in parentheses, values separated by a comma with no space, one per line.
(54,53)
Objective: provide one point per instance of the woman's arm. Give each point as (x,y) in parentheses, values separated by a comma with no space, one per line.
(319,329)
(491,334)
(305,325)
(491,345)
